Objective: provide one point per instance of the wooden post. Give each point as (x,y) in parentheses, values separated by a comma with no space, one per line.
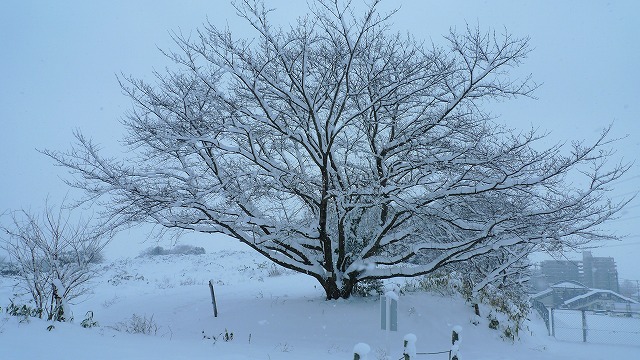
(553,325)
(406,356)
(213,299)
(409,347)
(455,342)
(453,355)
(360,351)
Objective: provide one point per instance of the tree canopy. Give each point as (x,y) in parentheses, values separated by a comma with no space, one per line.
(341,150)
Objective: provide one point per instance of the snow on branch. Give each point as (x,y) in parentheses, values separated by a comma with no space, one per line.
(341,150)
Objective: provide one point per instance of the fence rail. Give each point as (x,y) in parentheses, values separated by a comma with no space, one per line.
(544,313)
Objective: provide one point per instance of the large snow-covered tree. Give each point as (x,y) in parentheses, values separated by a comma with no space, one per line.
(343,151)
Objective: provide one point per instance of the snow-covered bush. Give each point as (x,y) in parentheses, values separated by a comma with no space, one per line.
(272,269)
(54,256)
(366,288)
(509,309)
(509,305)
(187,281)
(443,282)
(123,275)
(176,250)
(8,268)
(23,311)
(153,251)
(225,336)
(89,256)
(88,321)
(137,325)
(275,270)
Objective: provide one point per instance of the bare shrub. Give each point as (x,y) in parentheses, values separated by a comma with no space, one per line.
(137,325)
(53,252)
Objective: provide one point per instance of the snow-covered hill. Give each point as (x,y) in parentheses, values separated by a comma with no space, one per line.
(264,313)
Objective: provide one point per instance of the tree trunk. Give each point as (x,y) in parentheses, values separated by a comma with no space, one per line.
(334,292)
(331,289)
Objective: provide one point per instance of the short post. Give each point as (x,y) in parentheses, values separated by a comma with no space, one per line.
(455,342)
(213,299)
(549,320)
(553,325)
(410,346)
(360,351)
(584,326)
(388,314)
(389,311)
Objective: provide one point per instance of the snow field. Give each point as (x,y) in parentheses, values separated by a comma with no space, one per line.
(269,315)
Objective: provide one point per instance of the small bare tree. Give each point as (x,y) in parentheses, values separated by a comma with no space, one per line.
(54,252)
(344,152)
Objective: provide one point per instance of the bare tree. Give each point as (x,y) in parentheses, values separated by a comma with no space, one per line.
(54,252)
(630,289)
(342,151)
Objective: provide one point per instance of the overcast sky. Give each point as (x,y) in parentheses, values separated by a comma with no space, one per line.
(59,61)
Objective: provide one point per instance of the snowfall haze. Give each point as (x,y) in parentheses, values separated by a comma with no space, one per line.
(60,62)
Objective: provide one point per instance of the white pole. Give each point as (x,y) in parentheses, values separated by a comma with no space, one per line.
(388,329)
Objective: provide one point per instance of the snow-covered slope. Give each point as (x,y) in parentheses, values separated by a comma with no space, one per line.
(269,312)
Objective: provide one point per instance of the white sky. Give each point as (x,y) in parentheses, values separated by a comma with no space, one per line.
(59,60)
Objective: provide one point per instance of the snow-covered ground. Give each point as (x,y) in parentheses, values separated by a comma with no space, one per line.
(268,312)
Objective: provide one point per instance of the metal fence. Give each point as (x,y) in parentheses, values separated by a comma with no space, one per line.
(602,327)
(544,313)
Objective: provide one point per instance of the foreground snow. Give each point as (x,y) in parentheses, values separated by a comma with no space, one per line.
(271,314)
